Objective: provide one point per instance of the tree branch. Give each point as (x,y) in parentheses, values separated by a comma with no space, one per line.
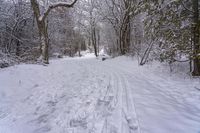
(59,4)
(186,7)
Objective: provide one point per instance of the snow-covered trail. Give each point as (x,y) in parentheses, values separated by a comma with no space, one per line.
(90,96)
(163,104)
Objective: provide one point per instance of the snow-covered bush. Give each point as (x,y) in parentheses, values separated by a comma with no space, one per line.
(7,60)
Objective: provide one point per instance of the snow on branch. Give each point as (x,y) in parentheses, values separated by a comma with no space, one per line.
(186,7)
(55,5)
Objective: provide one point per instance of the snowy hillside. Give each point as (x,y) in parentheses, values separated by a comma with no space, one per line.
(87,95)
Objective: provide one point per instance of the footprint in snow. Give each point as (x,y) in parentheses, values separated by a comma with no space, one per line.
(43,129)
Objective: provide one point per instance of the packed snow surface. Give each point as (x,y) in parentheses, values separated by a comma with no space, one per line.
(87,95)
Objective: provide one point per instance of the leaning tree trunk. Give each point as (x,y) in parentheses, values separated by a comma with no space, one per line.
(196,42)
(44,41)
(42,25)
(42,28)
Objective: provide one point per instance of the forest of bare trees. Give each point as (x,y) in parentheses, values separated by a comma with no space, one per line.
(163,30)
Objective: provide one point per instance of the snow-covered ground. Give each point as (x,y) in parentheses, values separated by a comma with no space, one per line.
(86,95)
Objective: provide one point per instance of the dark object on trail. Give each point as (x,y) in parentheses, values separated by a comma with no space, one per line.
(104,58)
(60,56)
(4,64)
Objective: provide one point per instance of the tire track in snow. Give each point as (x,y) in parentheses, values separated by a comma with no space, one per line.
(102,99)
(164,98)
(109,122)
(129,111)
(126,107)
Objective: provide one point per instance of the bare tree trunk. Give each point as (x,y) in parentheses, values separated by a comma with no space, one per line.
(94,41)
(1,41)
(44,42)
(125,38)
(125,30)
(18,48)
(42,28)
(146,54)
(196,42)
(79,47)
(98,41)
(42,25)
(120,44)
(89,42)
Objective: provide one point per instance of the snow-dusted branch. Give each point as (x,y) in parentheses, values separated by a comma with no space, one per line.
(59,4)
(186,7)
